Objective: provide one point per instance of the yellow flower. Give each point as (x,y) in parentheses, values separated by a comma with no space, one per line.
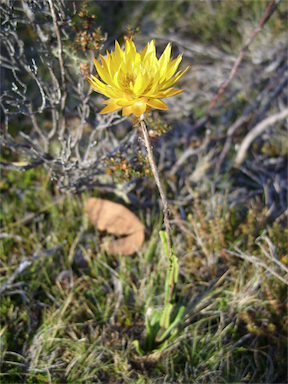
(136,82)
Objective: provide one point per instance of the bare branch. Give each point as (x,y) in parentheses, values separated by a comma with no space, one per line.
(270,9)
(255,132)
(62,67)
(255,260)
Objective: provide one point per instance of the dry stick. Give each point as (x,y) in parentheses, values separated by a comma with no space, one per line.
(256,131)
(38,130)
(255,260)
(190,151)
(62,67)
(270,9)
(24,166)
(157,179)
(243,118)
(202,121)
(230,134)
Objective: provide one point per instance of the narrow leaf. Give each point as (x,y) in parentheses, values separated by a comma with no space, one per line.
(165,318)
(174,324)
(163,236)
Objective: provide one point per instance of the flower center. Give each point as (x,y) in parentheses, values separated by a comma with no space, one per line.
(129,78)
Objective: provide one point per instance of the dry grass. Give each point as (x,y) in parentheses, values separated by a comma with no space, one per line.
(70,313)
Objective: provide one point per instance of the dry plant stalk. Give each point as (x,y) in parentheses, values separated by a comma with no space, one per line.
(157,179)
(268,12)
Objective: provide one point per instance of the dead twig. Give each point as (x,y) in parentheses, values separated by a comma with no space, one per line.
(20,167)
(255,260)
(242,119)
(270,9)
(255,132)
(190,151)
(62,66)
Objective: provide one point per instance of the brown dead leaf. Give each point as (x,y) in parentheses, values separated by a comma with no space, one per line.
(126,245)
(118,220)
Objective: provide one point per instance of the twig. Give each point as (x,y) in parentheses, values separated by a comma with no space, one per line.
(270,9)
(106,121)
(14,167)
(38,130)
(256,131)
(62,67)
(276,90)
(190,151)
(257,261)
(273,255)
(243,118)
(157,179)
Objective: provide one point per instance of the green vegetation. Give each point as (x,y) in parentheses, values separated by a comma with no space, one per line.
(78,311)
(221,23)
(77,314)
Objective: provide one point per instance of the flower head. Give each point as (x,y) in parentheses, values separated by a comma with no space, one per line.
(136,82)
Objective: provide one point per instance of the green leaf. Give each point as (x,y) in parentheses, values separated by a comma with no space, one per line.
(167,288)
(137,346)
(176,321)
(155,318)
(173,270)
(165,318)
(149,338)
(163,236)
(176,268)
(150,251)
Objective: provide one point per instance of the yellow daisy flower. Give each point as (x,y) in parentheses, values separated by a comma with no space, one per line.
(136,82)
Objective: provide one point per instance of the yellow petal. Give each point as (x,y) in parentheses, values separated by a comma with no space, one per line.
(151,47)
(130,50)
(171,92)
(144,51)
(136,82)
(96,84)
(110,108)
(104,74)
(153,89)
(156,103)
(172,67)
(118,53)
(174,79)
(164,59)
(124,102)
(126,111)
(138,109)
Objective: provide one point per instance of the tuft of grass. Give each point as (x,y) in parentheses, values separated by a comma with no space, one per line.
(72,317)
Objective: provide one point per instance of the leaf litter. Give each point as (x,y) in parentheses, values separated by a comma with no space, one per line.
(118,220)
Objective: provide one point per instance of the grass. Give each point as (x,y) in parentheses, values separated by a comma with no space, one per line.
(72,315)
(71,322)
(221,23)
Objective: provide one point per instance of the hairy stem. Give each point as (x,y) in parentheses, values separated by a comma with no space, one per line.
(157,179)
